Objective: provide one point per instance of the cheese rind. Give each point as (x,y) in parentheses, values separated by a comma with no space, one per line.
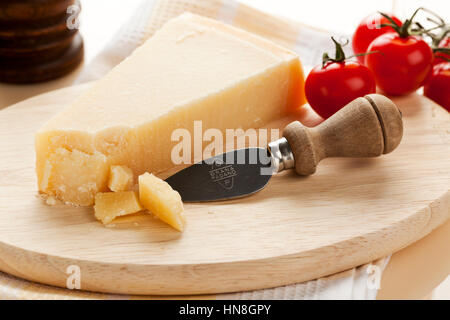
(159,198)
(110,205)
(120,178)
(192,69)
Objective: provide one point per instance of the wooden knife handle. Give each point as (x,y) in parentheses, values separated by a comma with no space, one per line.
(367,127)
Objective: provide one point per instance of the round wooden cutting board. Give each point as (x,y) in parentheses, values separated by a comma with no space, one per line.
(350,212)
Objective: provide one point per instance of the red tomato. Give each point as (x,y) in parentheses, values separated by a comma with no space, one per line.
(437,87)
(401,65)
(330,88)
(368,30)
(445,43)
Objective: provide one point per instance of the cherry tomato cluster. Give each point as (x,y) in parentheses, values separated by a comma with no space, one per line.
(392,55)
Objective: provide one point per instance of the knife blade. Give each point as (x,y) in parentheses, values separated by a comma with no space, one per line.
(367,127)
(230,175)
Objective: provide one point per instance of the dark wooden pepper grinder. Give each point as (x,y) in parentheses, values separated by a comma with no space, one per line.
(39,39)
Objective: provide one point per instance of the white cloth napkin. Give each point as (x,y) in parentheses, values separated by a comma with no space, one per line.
(358,283)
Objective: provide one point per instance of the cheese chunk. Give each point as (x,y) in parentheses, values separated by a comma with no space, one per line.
(158,197)
(193,68)
(110,205)
(120,178)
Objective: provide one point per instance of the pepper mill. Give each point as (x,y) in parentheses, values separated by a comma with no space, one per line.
(39,40)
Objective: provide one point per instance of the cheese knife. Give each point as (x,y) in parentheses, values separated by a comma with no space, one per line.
(367,127)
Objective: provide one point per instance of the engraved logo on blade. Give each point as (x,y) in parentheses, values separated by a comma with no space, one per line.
(223,175)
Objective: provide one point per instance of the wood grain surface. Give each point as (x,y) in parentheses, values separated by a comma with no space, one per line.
(350,212)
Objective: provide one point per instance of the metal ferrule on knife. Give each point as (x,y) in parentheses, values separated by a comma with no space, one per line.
(281,155)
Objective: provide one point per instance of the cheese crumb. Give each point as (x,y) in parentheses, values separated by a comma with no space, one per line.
(51,201)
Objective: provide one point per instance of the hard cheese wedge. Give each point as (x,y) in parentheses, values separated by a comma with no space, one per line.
(158,197)
(194,68)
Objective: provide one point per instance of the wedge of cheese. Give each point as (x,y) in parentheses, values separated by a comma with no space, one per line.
(193,68)
(159,198)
